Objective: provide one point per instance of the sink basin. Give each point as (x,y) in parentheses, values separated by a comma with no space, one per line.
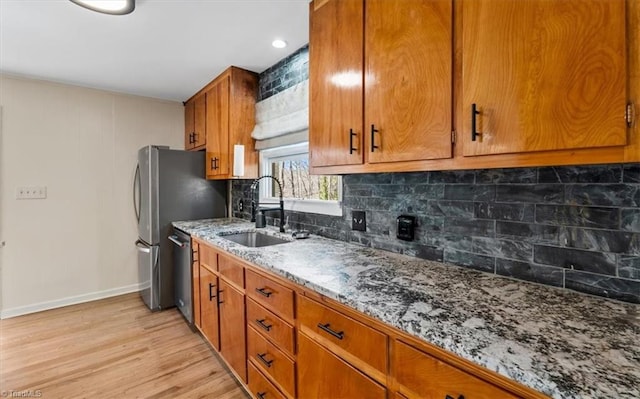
(254,239)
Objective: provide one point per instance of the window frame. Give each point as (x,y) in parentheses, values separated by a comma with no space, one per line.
(323,207)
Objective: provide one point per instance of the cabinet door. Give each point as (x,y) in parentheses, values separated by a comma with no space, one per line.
(189,124)
(408,80)
(217,127)
(199,121)
(232,329)
(209,307)
(544,75)
(335,82)
(321,374)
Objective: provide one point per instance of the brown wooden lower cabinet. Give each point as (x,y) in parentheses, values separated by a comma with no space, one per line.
(283,341)
(321,374)
(232,328)
(209,321)
(421,375)
(260,387)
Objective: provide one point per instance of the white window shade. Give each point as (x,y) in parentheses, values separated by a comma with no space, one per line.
(283,119)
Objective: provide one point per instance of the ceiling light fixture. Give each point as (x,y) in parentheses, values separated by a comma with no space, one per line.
(278,43)
(113,7)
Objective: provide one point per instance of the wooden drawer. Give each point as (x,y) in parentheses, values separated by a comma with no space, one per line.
(231,270)
(273,296)
(260,387)
(422,376)
(336,329)
(208,257)
(271,326)
(321,374)
(271,361)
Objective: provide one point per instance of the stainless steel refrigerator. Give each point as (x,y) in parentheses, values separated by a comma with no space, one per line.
(169,185)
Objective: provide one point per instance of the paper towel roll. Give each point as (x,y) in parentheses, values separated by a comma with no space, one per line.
(238,160)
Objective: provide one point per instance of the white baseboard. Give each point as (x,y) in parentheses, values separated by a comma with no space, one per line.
(72,300)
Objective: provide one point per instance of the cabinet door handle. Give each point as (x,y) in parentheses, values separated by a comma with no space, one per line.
(263,291)
(325,328)
(352,134)
(262,324)
(373,138)
(195,137)
(219,301)
(191,138)
(211,296)
(261,395)
(474,113)
(214,163)
(263,359)
(451,397)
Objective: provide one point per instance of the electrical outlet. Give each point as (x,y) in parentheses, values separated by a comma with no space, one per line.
(38,192)
(359,220)
(240,205)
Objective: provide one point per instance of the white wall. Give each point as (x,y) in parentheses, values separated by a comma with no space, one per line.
(78,244)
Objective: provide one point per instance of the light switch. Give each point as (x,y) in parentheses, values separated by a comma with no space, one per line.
(32,192)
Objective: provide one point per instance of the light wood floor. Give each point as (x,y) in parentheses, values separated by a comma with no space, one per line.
(110,348)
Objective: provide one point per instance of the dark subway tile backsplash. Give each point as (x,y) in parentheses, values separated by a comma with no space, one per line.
(576,227)
(286,73)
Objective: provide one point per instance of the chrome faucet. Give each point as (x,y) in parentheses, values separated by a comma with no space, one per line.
(255,205)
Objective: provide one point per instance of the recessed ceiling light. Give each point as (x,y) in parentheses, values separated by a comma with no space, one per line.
(113,7)
(278,43)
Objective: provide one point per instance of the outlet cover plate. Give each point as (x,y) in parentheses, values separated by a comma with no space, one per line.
(359,220)
(39,192)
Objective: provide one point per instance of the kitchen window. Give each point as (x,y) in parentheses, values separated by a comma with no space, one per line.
(302,191)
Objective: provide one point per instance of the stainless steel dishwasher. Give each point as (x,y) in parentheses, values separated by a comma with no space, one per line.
(182,273)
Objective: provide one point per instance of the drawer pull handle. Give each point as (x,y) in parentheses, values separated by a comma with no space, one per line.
(262,324)
(262,357)
(325,328)
(451,397)
(263,291)
(211,296)
(261,395)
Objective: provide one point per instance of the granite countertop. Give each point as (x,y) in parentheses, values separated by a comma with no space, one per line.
(563,344)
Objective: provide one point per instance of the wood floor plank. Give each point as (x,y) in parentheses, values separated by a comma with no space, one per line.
(112,348)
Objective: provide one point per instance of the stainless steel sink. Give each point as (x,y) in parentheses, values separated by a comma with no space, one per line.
(254,239)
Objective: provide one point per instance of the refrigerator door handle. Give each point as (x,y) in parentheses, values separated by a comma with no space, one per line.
(174,239)
(142,247)
(136,185)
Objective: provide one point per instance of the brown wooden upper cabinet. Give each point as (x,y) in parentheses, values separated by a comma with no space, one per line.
(194,124)
(380,81)
(221,115)
(230,109)
(543,75)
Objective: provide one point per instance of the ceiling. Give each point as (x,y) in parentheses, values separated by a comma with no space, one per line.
(166,49)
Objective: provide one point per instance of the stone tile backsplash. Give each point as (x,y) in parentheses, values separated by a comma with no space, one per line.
(286,73)
(572,227)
